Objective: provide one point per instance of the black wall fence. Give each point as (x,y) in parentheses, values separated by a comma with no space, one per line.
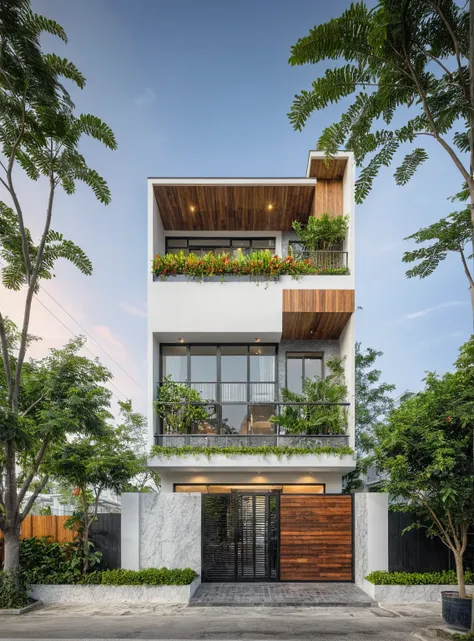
(414,551)
(105,534)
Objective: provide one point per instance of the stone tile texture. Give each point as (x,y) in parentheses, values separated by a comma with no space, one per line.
(280,594)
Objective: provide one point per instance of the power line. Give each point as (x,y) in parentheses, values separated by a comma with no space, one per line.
(85,346)
(92,339)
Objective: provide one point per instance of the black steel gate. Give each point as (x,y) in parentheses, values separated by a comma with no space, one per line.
(240,537)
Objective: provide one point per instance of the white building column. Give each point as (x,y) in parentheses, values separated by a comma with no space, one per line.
(370,534)
(130,531)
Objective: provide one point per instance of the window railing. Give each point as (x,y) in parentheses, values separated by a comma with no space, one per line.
(323,258)
(239,410)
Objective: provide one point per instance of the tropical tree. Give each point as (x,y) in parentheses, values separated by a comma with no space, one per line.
(426,449)
(61,397)
(452,234)
(373,403)
(40,133)
(91,466)
(132,431)
(181,408)
(412,58)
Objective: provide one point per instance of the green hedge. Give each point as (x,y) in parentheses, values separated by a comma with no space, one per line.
(448,577)
(151,576)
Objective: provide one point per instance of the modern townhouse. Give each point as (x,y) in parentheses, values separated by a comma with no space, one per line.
(251,361)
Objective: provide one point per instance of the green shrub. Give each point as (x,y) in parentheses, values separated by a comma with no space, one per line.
(448,577)
(13,593)
(45,561)
(150,576)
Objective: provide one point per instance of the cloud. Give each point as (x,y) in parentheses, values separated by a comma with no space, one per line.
(132,310)
(428,311)
(146,98)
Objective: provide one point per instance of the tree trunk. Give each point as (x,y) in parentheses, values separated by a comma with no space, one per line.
(12,548)
(12,524)
(458,557)
(85,533)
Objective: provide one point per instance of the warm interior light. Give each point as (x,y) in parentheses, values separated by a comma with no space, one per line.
(192,208)
(180,340)
(257,340)
(269,206)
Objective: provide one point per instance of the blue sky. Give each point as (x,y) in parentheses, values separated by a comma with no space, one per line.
(202,89)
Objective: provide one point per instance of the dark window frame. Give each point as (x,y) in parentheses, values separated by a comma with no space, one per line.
(218,402)
(217,244)
(303,355)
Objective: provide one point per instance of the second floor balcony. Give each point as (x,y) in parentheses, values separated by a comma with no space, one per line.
(248,414)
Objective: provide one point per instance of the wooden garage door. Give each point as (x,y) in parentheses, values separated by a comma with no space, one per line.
(316,538)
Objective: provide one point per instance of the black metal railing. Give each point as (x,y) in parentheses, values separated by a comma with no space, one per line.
(247,412)
(324,258)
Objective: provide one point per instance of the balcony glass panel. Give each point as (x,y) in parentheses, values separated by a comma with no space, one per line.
(234,363)
(262,363)
(175,362)
(235,419)
(259,419)
(203,363)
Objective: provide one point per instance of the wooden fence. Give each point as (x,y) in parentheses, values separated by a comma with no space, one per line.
(105,534)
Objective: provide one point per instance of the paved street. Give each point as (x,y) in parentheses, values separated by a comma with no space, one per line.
(389,623)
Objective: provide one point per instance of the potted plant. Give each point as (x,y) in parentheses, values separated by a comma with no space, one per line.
(426,449)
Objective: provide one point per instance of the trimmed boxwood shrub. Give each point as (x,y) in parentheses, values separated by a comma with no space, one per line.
(150,576)
(448,577)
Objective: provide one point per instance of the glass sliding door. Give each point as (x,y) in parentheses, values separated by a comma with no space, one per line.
(239,381)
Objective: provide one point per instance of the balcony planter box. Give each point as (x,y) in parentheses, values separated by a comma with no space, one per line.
(457,612)
(407,593)
(116,594)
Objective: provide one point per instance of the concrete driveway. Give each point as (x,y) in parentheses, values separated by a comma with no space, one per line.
(386,623)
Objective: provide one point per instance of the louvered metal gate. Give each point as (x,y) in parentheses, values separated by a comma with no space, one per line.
(240,539)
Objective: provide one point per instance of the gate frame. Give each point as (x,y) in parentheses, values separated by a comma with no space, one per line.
(278,579)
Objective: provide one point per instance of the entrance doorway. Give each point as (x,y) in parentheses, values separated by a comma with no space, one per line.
(268,536)
(240,537)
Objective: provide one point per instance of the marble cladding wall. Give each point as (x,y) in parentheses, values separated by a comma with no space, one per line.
(170,531)
(329,349)
(361,549)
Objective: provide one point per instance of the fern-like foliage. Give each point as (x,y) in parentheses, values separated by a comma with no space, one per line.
(399,57)
(56,246)
(450,234)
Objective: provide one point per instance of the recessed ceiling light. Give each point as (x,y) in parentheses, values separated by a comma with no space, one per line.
(257,340)
(270,206)
(192,208)
(180,340)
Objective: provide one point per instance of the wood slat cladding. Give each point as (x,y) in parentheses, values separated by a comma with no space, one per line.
(320,314)
(328,198)
(233,207)
(316,538)
(332,171)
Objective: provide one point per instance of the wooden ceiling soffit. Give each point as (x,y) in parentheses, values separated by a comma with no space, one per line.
(233,207)
(320,314)
(332,171)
